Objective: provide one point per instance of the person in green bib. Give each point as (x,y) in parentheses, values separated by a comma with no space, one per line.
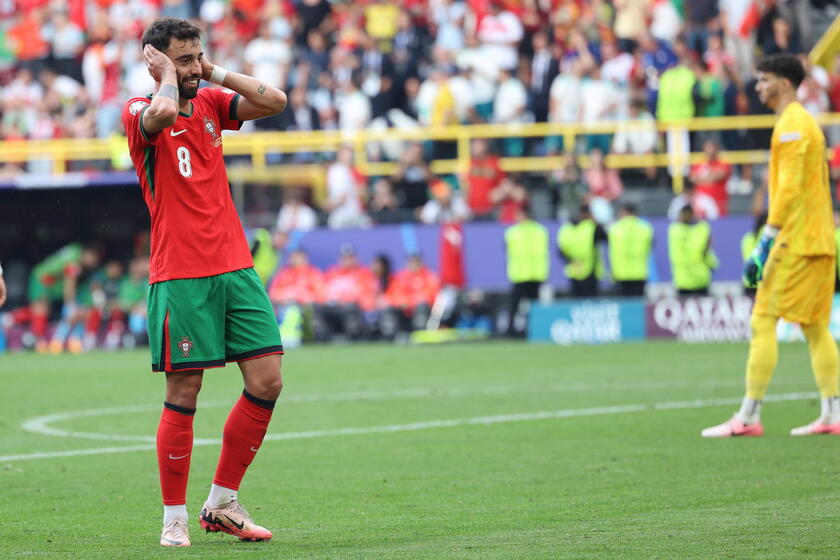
(527,262)
(578,241)
(691,255)
(630,245)
(748,242)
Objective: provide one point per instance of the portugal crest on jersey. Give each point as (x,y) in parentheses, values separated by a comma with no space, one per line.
(212,130)
(186,346)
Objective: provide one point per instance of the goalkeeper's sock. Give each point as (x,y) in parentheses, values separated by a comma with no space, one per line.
(763,356)
(830,410)
(242,437)
(750,412)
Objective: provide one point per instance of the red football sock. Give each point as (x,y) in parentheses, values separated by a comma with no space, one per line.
(39,325)
(174,447)
(244,432)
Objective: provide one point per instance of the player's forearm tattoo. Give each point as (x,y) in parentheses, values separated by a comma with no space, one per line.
(261,89)
(169,91)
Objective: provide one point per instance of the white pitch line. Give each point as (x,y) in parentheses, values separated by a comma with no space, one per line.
(432,424)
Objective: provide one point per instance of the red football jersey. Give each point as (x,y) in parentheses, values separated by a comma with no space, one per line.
(195,228)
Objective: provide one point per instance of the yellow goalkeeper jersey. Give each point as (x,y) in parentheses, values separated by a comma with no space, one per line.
(800,194)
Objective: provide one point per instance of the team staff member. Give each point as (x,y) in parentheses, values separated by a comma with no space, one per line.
(691,255)
(630,244)
(794,261)
(527,261)
(207,306)
(578,243)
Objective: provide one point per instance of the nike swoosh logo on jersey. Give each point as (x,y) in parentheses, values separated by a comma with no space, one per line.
(173,133)
(254,450)
(176,458)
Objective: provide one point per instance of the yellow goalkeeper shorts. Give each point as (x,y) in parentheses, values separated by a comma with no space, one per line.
(798,289)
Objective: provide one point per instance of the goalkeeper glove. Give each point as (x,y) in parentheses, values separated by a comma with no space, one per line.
(754,267)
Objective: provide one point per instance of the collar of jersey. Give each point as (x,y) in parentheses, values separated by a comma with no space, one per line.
(181,113)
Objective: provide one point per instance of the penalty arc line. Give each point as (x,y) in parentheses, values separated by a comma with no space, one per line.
(432,424)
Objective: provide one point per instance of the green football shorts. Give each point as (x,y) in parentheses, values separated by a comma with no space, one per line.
(197,323)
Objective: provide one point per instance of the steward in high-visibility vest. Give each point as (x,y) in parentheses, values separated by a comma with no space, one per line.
(578,243)
(748,242)
(527,261)
(630,245)
(691,254)
(264,254)
(837,244)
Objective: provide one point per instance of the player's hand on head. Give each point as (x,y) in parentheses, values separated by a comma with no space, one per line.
(206,68)
(157,63)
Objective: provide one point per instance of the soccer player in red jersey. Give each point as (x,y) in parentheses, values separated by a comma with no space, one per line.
(206,304)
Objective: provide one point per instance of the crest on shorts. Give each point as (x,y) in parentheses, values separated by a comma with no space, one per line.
(186,346)
(137,106)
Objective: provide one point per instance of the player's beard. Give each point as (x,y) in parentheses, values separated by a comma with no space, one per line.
(188,92)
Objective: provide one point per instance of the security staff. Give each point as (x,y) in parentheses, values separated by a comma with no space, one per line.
(748,242)
(527,261)
(630,244)
(691,254)
(264,254)
(578,244)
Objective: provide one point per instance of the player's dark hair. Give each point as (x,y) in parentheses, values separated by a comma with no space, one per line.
(630,208)
(162,30)
(785,66)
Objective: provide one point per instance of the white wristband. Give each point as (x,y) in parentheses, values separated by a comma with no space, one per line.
(770,231)
(218,75)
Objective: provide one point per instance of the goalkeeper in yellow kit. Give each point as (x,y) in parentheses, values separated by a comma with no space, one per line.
(794,262)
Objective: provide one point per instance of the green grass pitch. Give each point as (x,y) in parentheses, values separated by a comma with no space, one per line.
(484,451)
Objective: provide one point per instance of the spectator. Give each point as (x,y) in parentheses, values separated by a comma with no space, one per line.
(509,197)
(701,21)
(739,19)
(630,139)
(565,101)
(716,58)
(484,176)
(544,69)
(702,205)
(354,108)
(384,206)
(344,187)
(296,214)
(510,107)
(617,65)
(444,206)
(782,38)
(267,57)
(567,187)
(298,116)
(67,41)
(630,17)
(602,103)
(409,298)
(665,22)
(710,178)
(411,181)
(500,32)
(603,182)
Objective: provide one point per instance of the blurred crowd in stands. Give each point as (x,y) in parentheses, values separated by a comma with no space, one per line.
(67,67)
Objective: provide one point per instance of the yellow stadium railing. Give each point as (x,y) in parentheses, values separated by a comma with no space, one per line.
(256,147)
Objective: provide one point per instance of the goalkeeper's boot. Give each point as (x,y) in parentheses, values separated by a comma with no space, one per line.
(817,427)
(231,518)
(733,427)
(175,534)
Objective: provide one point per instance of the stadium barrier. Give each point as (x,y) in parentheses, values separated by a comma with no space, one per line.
(252,152)
(686,319)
